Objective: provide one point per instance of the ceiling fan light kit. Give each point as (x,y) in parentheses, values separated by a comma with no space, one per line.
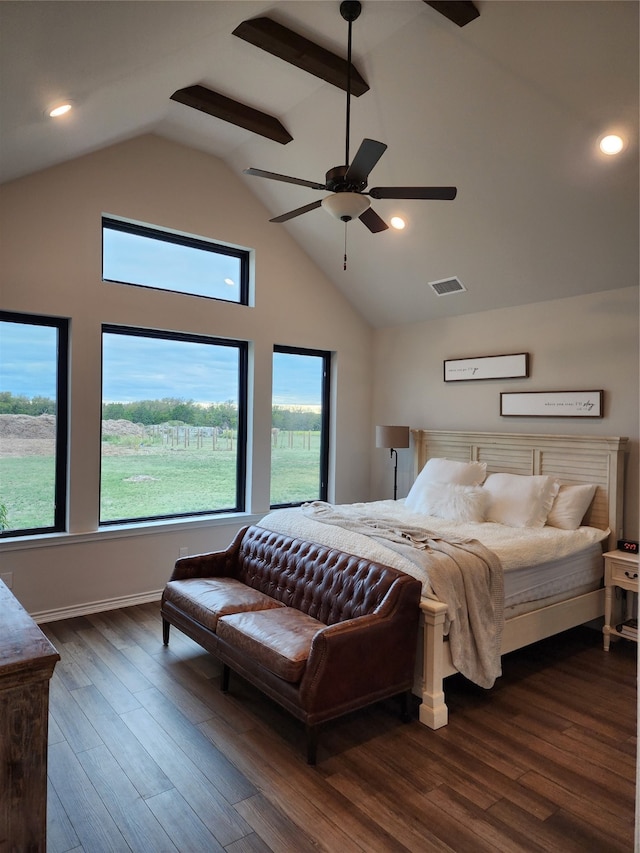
(345,205)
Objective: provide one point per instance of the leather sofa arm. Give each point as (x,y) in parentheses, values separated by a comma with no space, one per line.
(215,564)
(364,655)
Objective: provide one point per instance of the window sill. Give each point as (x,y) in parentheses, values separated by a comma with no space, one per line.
(127,531)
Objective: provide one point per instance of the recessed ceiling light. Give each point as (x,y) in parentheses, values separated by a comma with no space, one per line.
(60,109)
(397,222)
(611,144)
(230,282)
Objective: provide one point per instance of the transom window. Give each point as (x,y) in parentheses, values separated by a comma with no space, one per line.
(173,425)
(149,257)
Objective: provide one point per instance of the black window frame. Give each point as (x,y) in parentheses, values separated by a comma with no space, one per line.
(241,462)
(325,421)
(61,324)
(155,233)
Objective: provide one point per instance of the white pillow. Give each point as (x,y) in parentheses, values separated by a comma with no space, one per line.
(518,500)
(570,506)
(451,501)
(444,471)
(450,471)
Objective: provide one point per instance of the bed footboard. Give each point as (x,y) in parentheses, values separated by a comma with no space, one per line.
(433,661)
(431,656)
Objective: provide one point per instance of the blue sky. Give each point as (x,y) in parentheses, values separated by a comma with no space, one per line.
(27,360)
(140,368)
(137,259)
(137,368)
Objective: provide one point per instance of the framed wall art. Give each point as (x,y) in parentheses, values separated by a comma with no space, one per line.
(552,404)
(511,366)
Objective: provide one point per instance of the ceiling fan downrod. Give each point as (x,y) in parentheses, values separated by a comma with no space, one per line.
(350,11)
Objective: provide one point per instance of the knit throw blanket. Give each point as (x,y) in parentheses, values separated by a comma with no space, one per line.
(464,575)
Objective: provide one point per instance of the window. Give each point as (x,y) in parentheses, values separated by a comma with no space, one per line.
(148,257)
(300,421)
(33,424)
(173,425)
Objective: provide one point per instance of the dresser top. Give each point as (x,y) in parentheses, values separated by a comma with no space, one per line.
(23,646)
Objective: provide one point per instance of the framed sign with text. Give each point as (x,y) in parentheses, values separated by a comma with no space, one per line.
(552,404)
(511,366)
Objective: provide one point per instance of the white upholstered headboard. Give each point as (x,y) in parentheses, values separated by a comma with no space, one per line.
(570,458)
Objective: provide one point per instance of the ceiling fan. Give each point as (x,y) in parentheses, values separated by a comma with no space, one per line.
(347,183)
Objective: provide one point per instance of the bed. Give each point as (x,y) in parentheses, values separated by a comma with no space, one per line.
(562,590)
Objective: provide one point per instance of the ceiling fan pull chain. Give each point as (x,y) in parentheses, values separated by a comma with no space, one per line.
(345,247)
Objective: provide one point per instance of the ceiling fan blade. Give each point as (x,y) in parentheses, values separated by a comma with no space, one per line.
(436,193)
(461,12)
(274,176)
(284,217)
(366,158)
(373,222)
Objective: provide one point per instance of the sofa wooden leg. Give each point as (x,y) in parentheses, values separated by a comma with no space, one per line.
(405,706)
(165,632)
(224,681)
(312,744)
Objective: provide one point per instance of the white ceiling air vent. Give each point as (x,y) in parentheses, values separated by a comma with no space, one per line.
(447,285)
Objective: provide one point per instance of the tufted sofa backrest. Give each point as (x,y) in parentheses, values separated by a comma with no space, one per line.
(325,583)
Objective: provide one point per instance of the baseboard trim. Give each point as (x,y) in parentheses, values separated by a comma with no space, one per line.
(95,607)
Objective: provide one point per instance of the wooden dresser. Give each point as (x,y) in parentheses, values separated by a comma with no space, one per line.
(27,660)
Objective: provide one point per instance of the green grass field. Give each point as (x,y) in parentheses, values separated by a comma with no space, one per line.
(27,491)
(155,480)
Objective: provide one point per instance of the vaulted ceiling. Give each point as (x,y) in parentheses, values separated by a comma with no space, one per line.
(508,108)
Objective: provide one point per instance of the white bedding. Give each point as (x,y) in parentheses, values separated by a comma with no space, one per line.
(537,562)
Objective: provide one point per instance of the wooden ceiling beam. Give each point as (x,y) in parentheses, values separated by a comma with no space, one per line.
(461,12)
(297,50)
(215,104)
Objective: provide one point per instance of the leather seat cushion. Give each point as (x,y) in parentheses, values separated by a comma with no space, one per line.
(279,640)
(207,599)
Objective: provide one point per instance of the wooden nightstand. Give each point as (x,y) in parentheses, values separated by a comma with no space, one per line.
(620,570)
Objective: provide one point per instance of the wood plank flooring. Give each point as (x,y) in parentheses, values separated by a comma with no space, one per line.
(146,754)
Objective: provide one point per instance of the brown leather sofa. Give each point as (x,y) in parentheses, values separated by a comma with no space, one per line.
(320,631)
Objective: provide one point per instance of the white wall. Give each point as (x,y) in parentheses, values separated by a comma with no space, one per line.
(586,342)
(50,227)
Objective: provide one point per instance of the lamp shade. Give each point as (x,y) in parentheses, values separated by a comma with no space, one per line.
(392,436)
(345,205)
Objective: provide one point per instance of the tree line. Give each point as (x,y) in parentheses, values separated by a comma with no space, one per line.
(17,405)
(168,410)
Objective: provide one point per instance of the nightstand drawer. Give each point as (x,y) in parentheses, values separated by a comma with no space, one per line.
(622,573)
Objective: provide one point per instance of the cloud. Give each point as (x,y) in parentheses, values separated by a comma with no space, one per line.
(142,368)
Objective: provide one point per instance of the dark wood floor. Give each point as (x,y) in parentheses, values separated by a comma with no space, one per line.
(147,754)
